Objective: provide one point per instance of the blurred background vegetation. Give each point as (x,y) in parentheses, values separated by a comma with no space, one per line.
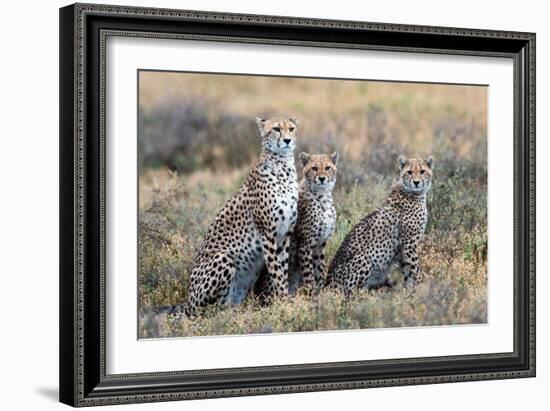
(198,139)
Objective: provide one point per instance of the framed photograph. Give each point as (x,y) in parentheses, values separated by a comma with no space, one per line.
(261,204)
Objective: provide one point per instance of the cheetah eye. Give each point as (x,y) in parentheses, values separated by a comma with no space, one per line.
(314,168)
(410,172)
(422,171)
(291,129)
(277,129)
(327,168)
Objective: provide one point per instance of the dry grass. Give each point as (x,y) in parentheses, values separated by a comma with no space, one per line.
(173,224)
(200,140)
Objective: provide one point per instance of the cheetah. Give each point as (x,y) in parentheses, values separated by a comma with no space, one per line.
(253,229)
(388,235)
(316,222)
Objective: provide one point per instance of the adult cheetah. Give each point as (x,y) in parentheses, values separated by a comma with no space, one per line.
(253,228)
(388,235)
(316,222)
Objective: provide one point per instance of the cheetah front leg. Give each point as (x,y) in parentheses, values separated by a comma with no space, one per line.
(410,265)
(276,261)
(305,261)
(284,257)
(320,266)
(312,265)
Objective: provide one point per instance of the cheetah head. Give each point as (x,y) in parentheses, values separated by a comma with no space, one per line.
(416,174)
(319,170)
(278,134)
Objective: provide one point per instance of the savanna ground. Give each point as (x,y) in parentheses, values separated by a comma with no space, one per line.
(198,139)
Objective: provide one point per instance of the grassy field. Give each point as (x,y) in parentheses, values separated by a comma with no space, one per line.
(198,139)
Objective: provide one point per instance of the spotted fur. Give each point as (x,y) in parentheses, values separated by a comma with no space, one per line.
(388,235)
(316,221)
(253,228)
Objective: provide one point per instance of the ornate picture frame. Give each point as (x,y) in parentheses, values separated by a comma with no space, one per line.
(84,30)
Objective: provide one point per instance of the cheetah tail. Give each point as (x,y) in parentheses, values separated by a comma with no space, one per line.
(175,310)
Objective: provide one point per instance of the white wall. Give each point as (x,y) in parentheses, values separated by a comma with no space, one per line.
(29,205)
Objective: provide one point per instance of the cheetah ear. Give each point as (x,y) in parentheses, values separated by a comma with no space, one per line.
(430,161)
(304,158)
(261,124)
(334,157)
(402,160)
(294,120)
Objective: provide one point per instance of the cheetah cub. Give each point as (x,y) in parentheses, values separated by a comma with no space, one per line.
(388,235)
(316,221)
(253,228)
